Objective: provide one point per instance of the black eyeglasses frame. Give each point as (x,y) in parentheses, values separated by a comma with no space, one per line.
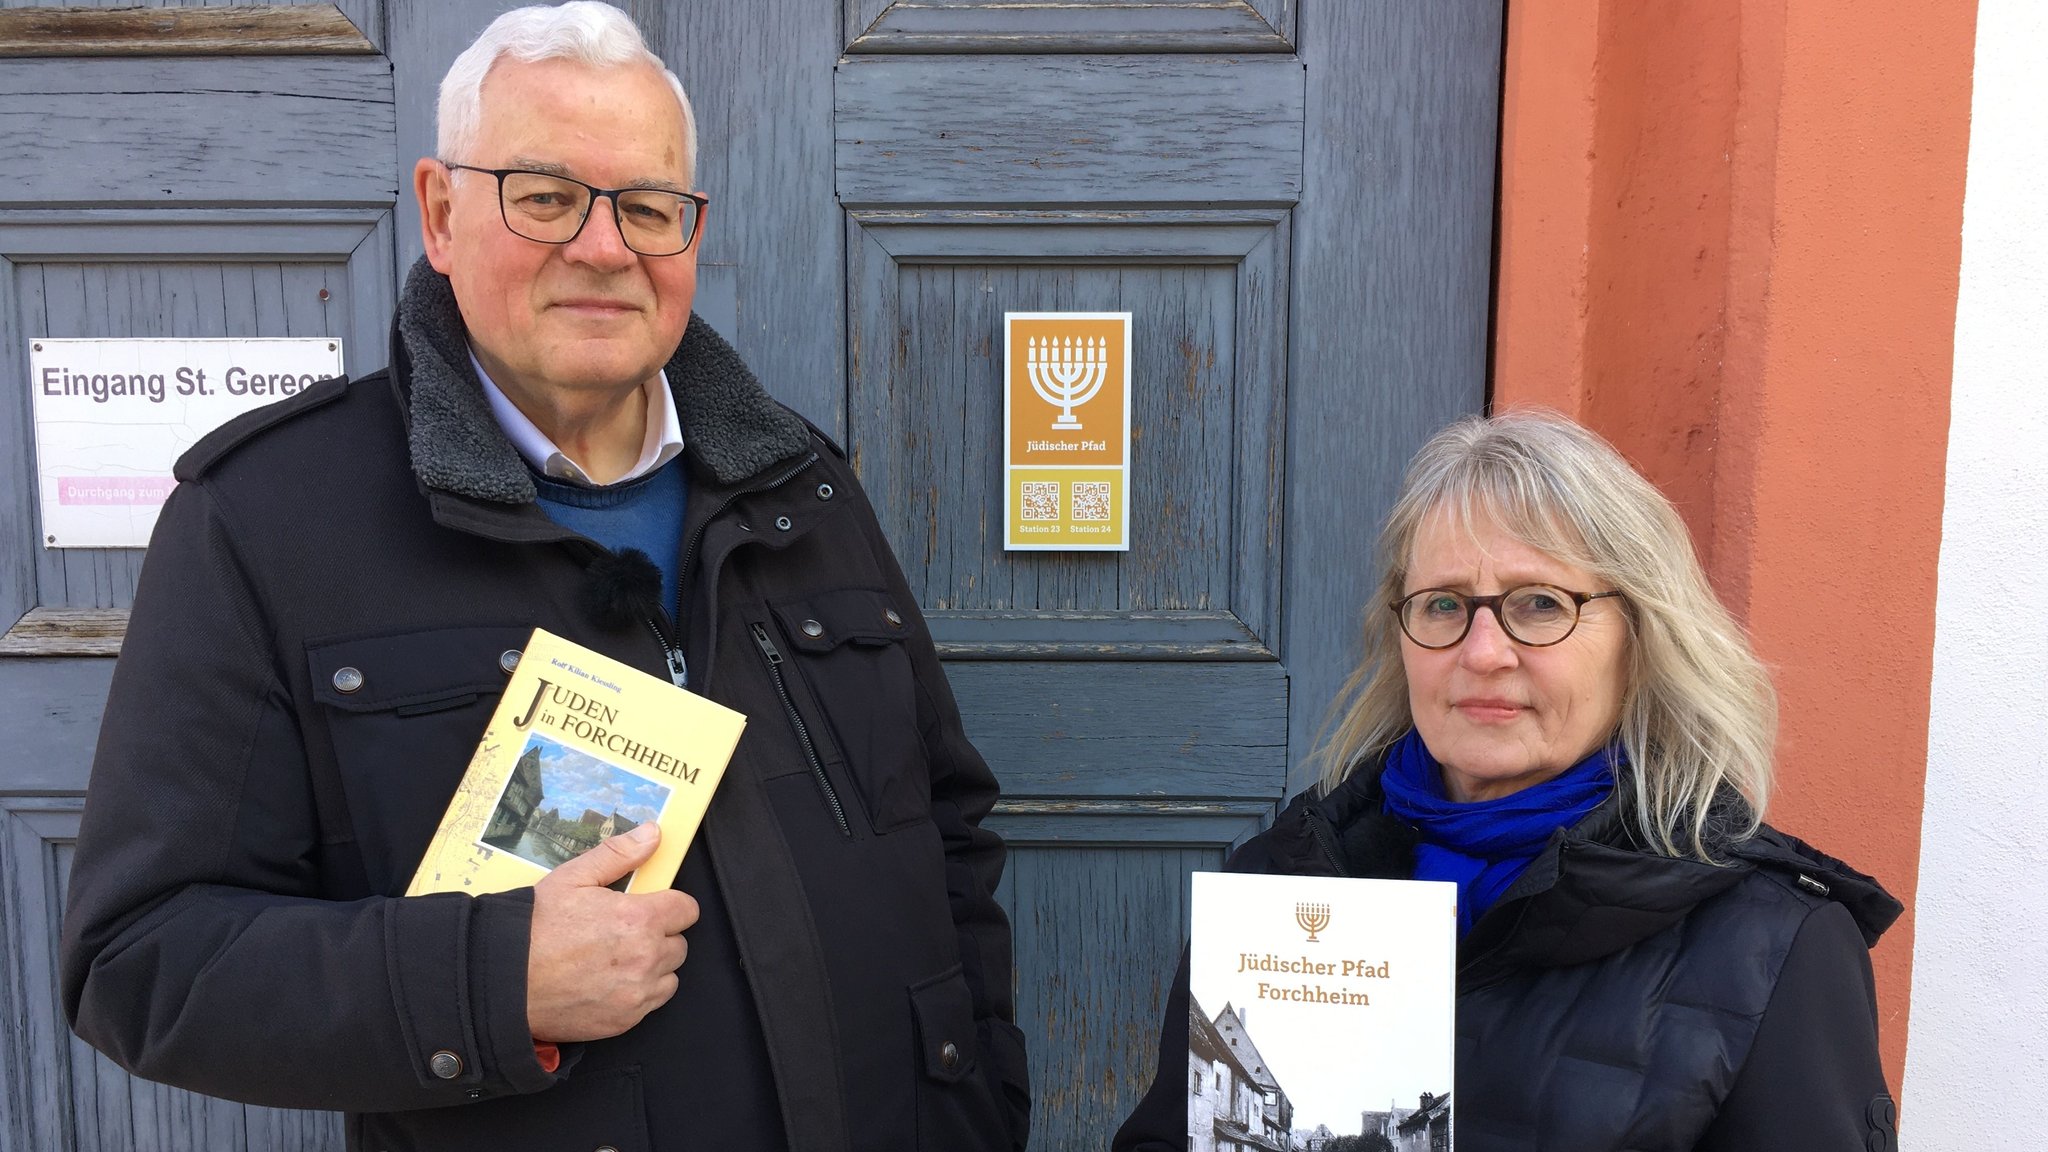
(596,193)
(1474,603)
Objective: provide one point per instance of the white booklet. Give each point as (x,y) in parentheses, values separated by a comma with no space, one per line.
(1321,1007)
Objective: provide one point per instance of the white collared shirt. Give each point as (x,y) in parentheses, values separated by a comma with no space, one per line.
(662,443)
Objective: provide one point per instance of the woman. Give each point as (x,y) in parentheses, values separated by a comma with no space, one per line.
(1556,714)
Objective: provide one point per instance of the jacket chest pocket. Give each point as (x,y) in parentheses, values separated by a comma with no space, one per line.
(853,699)
(404,713)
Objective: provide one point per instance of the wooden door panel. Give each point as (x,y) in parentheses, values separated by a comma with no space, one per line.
(1071,26)
(943,413)
(167,272)
(1207,291)
(1068,130)
(70,300)
(157,131)
(183,180)
(50,710)
(1132,704)
(1101,917)
(56,1092)
(1143,731)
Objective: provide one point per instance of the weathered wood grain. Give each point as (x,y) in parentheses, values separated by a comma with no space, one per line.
(50,710)
(759,76)
(66,632)
(228,30)
(64,1094)
(163,130)
(368,18)
(1099,931)
(1389,304)
(1121,730)
(34,1103)
(1068,130)
(1069,26)
(140,235)
(1069,235)
(17,461)
(1046,635)
(1130,823)
(364,317)
(137,194)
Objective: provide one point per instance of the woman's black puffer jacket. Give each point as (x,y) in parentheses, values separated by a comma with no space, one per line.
(1617,999)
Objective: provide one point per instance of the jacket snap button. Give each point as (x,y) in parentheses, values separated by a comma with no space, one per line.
(445,1064)
(890,615)
(347,680)
(949,1056)
(782,522)
(813,629)
(606,1148)
(824,491)
(508,660)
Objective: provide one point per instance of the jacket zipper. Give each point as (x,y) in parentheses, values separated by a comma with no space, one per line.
(690,556)
(671,654)
(678,668)
(803,733)
(1327,841)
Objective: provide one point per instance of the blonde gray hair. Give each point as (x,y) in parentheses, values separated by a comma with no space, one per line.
(1698,711)
(586,31)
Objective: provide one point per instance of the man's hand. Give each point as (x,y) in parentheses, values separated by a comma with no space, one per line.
(600,960)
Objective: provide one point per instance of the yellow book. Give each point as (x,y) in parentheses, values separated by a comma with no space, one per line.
(581,747)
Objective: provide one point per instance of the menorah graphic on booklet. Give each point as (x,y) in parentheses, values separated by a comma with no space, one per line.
(1067,373)
(1313,918)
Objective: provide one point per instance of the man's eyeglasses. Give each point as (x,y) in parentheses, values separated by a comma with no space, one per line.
(1534,615)
(553,209)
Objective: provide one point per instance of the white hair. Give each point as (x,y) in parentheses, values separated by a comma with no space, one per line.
(1698,714)
(586,31)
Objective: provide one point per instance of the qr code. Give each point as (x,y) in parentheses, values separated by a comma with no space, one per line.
(1041,500)
(1091,500)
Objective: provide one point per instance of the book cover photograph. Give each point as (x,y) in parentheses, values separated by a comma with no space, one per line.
(1320,1014)
(580,748)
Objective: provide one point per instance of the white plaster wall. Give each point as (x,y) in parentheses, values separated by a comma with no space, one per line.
(1977,1045)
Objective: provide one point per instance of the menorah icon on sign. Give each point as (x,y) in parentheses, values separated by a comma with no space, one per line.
(1066,373)
(1313,918)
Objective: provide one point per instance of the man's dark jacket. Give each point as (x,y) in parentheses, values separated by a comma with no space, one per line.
(233,926)
(1617,1000)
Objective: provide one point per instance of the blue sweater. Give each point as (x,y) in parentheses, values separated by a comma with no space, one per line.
(644,513)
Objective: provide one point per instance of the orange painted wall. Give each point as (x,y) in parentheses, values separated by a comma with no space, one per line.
(1730,236)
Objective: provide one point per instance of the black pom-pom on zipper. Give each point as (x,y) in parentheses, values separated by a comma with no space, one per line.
(622,589)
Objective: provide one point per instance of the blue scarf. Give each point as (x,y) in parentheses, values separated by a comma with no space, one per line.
(1483,846)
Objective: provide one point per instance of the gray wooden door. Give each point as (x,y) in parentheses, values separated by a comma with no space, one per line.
(1292,197)
(183,171)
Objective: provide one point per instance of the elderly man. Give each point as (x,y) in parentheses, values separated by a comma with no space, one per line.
(335,594)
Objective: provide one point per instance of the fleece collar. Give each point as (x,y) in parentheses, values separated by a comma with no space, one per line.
(735,429)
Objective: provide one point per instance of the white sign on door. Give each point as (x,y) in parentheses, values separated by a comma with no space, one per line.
(112,416)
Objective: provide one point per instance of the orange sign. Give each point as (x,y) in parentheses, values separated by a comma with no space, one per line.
(1066,430)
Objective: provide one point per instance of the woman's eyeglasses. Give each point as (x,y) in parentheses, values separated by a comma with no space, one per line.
(1534,615)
